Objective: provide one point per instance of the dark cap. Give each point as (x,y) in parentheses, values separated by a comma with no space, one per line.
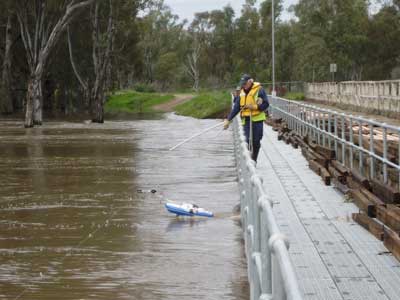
(244,79)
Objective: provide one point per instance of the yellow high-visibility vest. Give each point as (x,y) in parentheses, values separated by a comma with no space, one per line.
(251,98)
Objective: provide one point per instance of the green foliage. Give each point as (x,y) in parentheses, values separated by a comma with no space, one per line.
(134,102)
(166,68)
(206,105)
(144,88)
(295,96)
(384,43)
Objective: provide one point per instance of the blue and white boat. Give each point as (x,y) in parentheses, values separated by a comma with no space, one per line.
(187,209)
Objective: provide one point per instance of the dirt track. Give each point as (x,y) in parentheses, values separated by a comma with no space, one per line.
(169,106)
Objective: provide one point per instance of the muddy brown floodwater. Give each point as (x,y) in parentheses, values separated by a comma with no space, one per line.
(72,225)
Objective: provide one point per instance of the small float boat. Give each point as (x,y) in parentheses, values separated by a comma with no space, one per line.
(187,209)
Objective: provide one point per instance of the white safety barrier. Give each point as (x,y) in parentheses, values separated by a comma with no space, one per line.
(381,96)
(270,271)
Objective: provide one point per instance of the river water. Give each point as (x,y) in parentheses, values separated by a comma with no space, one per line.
(73,226)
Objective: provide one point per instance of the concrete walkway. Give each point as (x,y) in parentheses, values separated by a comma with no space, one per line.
(334,257)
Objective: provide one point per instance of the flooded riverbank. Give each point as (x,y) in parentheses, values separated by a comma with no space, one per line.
(72,225)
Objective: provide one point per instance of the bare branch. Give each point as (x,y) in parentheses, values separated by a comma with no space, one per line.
(59,28)
(83,84)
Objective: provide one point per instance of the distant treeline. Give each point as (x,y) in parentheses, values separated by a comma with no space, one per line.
(106,45)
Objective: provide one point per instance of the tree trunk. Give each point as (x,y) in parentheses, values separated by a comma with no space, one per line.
(33,110)
(37,101)
(101,60)
(7,106)
(97,104)
(196,81)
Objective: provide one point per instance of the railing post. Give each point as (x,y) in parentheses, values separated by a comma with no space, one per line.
(336,136)
(351,140)
(343,141)
(384,166)
(360,144)
(330,131)
(372,151)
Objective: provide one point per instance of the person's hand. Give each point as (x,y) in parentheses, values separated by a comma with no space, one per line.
(259,101)
(251,106)
(226,124)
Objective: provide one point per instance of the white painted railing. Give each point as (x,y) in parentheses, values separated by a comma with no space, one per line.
(270,271)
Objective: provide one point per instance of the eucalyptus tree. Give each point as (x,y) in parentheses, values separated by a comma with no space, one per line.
(342,26)
(247,32)
(384,43)
(42,24)
(102,47)
(263,43)
(112,24)
(222,43)
(8,19)
(161,41)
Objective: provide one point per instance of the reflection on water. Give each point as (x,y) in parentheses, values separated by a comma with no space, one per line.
(73,227)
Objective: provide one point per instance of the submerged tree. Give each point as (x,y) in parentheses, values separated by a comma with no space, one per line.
(41,24)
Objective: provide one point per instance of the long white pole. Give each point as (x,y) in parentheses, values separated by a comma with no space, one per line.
(196,135)
(273,47)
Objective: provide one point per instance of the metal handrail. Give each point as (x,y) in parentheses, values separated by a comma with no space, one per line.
(311,120)
(270,270)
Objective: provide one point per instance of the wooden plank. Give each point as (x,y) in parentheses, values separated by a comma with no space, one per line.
(304,151)
(319,158)
(387,193)
(381,213)
(363,202)
(299,141)
(336,174)
(286,138)
(307,154)
(391,217)
(277,121)
(313,145)
(338,166)
(369,224)
(360,179)
(352,183)
(391,241)
(280,135)
(285,128)
(340,186)
(325,152)
(326,177)
(315,166)
(373,198)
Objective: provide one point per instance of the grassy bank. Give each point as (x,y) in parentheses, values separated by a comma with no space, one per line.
(206,105)
(135,102)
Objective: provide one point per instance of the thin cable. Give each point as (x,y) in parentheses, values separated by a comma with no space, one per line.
(80,243)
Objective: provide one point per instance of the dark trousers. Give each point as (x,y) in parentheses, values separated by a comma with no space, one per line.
(257,136)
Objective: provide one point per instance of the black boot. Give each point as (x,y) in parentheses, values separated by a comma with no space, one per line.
(256,150)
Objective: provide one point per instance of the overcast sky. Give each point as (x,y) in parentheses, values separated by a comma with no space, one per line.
(185,9)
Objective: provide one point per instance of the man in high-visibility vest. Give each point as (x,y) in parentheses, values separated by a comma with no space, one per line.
(251,103)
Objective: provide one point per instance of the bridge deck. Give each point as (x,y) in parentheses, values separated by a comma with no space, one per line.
(334,257)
